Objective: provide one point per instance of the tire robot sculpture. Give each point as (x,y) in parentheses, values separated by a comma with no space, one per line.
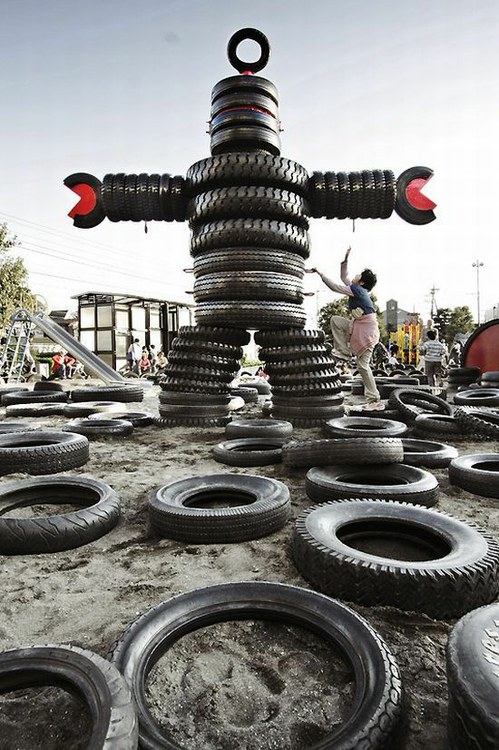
(248,210)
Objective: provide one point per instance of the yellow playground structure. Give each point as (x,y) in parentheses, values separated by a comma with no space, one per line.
(407,337)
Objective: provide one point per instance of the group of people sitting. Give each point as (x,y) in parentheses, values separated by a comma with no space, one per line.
(64,365)
(144,360)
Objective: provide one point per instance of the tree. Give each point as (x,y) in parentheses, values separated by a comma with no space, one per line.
(14,289)
(449,322)
(340,307)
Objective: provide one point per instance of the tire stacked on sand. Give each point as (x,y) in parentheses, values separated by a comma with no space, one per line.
(195,389)
(248,214)
(306,389)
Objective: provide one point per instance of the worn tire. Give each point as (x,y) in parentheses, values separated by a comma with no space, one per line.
(85,408)
(30,397)
(377,691)
(479,421)
(477,473)
(250,168)
(54,533)
(123,393)
(136,418)
(259,428)
(35,410)
(307,453)
(42,452)
(440,584)
(474,397)
(404,400)
(471,655)
(256,451)
(362,427)
(99,428)
(427,453)
(94,679)
(394,481)
(264,507)
(249,233)
(250,314)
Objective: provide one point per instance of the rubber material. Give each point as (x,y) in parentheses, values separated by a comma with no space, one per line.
(249,451)
(261,428)
(307,453)
(377,692)
(427,453)
(364,427)
(263,506)
(457,569)
(42,452)
(92,678)
(477,473)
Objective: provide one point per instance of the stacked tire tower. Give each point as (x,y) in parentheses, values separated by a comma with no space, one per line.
(248,209)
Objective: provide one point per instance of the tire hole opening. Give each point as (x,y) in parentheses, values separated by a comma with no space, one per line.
(394,540)
(252,684)
(220,498)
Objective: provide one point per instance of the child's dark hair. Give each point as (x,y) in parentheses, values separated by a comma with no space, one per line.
(368,279)
(432,335)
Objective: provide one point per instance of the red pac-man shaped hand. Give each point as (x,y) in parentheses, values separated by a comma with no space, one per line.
(89,211)
(410,203)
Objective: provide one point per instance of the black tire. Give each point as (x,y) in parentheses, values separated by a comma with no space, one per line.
(475,397)
(258,428)
(215,335)
(249,451)
(312,364)
(196,359)
(331,550)
(30,397)
(362,427)
(203,422)
(249,259)
(249,201)
(479,421)
(334,397)
(490,376)
(185,371)
(245,138)
(249,285)
(241,84)
(385,413)
(286,338)
(226,351)
(94,679)
(185,397)
(307,453)
(38,535)
(263,506)
(471,677)
(377,692)
(249,233)
(403,207)
(250,168)
(184,385)
(403,399)
(261,386)
(252,314)
(35,410)
(136,418)
(249,395)
(209,411)
(258,37)
(85,408)
(438,424)
(47,385)
(281,355)
(477,473)
(99,428)
(42,452)
(124,393)
(427,453)
(394,481)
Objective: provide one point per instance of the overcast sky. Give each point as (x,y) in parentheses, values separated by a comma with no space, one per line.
(124,86)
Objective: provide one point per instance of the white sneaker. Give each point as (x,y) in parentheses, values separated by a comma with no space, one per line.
(374,406)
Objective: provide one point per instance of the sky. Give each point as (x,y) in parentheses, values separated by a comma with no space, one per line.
(124,86)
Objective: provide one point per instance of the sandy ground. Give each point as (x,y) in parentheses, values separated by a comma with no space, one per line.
(238,684)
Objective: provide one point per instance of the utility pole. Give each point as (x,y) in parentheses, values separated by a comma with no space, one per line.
(433,309)
(477,264)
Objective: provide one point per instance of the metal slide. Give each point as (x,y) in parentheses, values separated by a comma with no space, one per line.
(91,361)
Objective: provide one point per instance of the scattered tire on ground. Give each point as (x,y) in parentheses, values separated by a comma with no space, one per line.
(379,552)
(377,692)
(54,533)
(189,509)
(42,452)
(96,680)
(477,473)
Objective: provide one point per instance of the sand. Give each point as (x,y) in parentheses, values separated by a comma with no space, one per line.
(254,685)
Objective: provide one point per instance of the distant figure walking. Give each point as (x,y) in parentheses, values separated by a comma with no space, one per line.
(434,352)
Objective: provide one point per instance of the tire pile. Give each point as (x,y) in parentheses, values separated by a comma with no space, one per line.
(195,389)
(143,197)
(369,194)
(306,389)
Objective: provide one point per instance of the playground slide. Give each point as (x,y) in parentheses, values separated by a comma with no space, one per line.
(91,361)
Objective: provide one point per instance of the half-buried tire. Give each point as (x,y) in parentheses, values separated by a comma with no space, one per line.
(42,452)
